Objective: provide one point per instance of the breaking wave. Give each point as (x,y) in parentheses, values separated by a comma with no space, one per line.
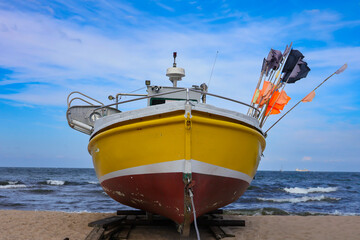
(55,182)
(12,186)
(60,182)
(297,190)
(258,211)
(277,211)
(334,213)
(338,213)
(91,182)
(299,200)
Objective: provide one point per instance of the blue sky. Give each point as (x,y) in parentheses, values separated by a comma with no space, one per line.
(51,48)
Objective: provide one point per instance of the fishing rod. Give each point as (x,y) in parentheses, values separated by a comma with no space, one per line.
(340,70)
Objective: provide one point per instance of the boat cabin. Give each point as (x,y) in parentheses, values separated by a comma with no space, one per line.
(178,96)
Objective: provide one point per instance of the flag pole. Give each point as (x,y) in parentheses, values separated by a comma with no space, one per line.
(263,70)
(269,73)
(276,86)
(278,73)
(340,70)
(284,84)
(267,115)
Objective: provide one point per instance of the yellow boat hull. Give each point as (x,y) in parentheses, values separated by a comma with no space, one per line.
(143,162)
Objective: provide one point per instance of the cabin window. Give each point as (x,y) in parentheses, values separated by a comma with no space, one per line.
(156,101)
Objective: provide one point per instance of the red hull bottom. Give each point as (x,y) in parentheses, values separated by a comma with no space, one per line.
(163,193)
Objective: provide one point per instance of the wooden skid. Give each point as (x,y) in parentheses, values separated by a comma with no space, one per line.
(107,222)
(96,233)
(219,226)
(119,227)
(130,212)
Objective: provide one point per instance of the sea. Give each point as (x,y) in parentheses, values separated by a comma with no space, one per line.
(270,193)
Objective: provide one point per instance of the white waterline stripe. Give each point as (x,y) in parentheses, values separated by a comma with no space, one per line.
(210,169)
(178,166)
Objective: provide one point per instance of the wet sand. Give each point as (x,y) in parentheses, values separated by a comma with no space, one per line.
(26,225)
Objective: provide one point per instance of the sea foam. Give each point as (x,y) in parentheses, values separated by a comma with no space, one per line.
(297,190)
(12,186)
(55,182)
(91,182)
(13,182)
(299,200)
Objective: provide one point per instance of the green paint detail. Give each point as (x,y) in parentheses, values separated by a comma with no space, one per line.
(187,177)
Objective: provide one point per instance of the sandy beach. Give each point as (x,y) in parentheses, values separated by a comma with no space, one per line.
(25,225)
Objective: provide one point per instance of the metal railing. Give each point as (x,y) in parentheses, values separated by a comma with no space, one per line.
(176,91)
(226,98)
(119,95)
(140,98)
(78,98)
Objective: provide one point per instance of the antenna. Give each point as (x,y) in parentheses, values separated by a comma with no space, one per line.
(212,70)
(174,55)
(174,73)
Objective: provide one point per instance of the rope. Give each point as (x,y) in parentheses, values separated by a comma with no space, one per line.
(193,206)
(134,91)
(138,89)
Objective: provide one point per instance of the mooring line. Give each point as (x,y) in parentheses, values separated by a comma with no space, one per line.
(193,207)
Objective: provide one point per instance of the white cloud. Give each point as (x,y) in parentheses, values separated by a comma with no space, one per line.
(40,48)
(335,57)
(307,158)
(117,47)
(164,6)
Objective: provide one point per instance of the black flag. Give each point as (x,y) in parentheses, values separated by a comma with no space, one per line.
(300,71)
(291,61)
(273,60)
(295,68)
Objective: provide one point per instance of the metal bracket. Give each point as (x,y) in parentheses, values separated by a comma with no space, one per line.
(187,175)
(188,107)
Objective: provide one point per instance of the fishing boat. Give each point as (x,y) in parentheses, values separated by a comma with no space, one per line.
(179,156)
(173,156)
(302,170)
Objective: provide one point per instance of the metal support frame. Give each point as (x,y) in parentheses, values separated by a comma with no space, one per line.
(120,226)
